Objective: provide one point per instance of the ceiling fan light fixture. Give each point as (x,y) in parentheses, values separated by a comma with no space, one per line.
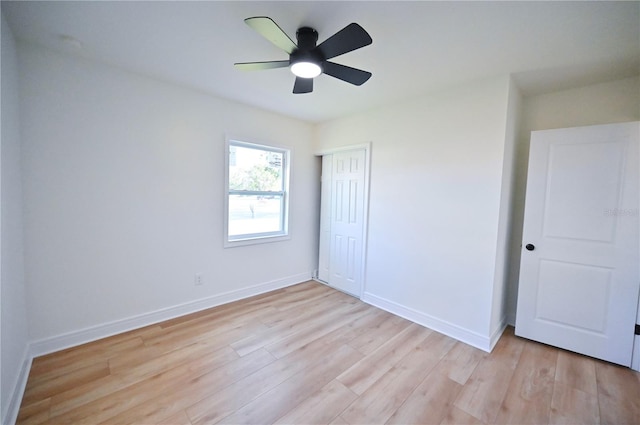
(307,59)
(305,69)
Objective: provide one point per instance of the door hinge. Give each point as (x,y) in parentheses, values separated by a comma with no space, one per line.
(637,329)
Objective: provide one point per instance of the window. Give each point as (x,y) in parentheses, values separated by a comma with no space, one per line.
(256,192)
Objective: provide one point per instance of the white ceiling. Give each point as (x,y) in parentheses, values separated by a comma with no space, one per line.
(418,47)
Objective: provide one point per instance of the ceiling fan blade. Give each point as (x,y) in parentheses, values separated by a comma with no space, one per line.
(346,73)
(258,66)
(351,37)
(303,85)
(267,28)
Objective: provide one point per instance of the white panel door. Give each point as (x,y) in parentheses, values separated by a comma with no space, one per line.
(579,272)
(347,221)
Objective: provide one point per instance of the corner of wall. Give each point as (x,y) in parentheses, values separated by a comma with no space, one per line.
(13,406)
(14,336)
(503,283)
(635,363)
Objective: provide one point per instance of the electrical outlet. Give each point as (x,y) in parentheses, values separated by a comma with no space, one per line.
(198,280)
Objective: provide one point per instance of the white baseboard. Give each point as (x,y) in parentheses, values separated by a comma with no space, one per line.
(18,390)
(495,336)
(474,339)
(82,336)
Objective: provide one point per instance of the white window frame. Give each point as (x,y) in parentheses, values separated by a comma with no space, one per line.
(256,238)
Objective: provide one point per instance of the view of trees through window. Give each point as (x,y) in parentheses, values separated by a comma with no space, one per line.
(256,191)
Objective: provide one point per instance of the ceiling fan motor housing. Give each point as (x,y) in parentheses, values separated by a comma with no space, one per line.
(307,38)
(306,51)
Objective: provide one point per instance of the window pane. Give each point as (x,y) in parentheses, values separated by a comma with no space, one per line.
(249,215)
(255,169)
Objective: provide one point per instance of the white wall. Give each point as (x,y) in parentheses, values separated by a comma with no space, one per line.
(436,177)
(123,196)
(604,103)
(14,333)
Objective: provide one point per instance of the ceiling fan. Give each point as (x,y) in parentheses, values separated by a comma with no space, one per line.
(307,60)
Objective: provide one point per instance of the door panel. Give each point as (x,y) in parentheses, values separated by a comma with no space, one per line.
(579,286)
(347,221)
(591,313)
(573,209)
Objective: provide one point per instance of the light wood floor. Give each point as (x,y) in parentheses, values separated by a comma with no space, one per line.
(309,354)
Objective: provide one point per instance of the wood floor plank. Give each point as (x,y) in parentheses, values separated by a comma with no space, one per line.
(179,418)
(307,288)
(172,359)
(114,394)
(310,333)
(429,402)
(224,310)
(68,360)
(457,416)
(364,373)
(311,308)
(373,339)
(484,391)
(508,350)
(207,342)
(35,413)
(171,403)
(577,371)
(387,394)
(528,398)
(270,406)
(347,333)
(572,406)
(238,311)
(293,297)
(460,362)
(618,394)
(339,421)
(224,403)
(321,407)
(71,367)
(315,315)
(263,302)
(179,335)
(222,320)
(72,379)
(335,360)
(303,299)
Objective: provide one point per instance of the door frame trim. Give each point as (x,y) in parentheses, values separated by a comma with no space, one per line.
(365,223)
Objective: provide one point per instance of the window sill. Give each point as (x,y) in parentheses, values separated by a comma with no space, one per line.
(255,240)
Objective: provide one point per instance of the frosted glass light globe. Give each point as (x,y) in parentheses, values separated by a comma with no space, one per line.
(306,69)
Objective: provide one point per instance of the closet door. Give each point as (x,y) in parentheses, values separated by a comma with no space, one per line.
(347,221)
